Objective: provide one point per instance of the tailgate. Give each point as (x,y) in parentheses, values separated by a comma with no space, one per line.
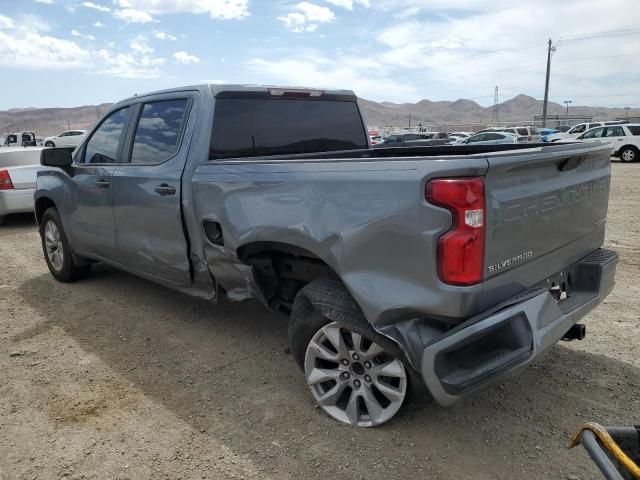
(546,208)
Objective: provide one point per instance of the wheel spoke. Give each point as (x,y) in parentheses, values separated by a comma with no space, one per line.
(334,335)
(356,338)
(374,350)
(323,352)
(319,375)
(373,406)
(353,407)
(388,391)
(390,369)
(331,396)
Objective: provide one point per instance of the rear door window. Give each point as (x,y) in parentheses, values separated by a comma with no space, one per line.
(159,130)
(634,129)
(244,127)
(613,132)
(104,144)
(523,132)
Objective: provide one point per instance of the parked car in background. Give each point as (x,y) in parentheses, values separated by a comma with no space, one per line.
(492,138)
(573,132)
(19,139)
(525,134)
(562,128)
(70,138)
(461,134)
(18,172)
(376,139)
(624,139)
(428,139)
(545,132)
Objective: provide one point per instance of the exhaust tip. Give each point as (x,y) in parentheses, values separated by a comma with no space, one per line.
(576,332)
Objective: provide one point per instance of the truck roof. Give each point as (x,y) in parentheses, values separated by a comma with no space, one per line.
(218,88)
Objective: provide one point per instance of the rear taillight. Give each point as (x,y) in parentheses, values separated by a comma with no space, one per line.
(461,249)
(5,180)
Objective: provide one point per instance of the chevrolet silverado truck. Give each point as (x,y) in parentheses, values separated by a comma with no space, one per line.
(443,269)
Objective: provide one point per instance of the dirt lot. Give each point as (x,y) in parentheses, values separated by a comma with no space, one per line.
(117,378)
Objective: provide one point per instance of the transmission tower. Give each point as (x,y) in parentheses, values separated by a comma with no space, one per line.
(494,112)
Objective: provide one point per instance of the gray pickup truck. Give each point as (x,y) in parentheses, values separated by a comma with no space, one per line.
(439,269)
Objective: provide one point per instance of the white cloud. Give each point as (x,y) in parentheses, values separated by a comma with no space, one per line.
(131,15)
(184,57)
(46,2)
(164,36)
(306,17)
(6,22)
(365,75)
(76,33)
(98,24)
(95,6)
(139,44)
(348,4)
(31,50)
(131,64)
(217,9)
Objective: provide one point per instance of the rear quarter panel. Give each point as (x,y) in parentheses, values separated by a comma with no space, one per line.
(368,220)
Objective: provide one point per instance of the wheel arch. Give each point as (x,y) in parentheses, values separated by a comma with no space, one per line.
(41,206)
(282,269)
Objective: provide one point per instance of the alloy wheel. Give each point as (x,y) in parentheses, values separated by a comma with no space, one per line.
(53,244)
(352,378)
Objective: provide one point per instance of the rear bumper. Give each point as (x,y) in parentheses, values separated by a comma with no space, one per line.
(16,201)
(501,342)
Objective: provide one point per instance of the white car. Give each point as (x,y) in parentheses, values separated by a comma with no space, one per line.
(70,138)
(623,139)
(573,132)
(18,171)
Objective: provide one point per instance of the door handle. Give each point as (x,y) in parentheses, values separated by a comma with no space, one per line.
(165,189)
(103,184)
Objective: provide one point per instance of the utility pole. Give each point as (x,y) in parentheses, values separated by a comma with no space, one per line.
(567,102)
(68,125)
(409,120)
(626,112)
(494,112)
(550,49)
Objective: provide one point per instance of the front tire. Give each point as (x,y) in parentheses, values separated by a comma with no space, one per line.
(57,251)
(629,154)
(349,368)
(49,144)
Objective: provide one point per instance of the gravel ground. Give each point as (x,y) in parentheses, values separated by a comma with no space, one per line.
(117,378)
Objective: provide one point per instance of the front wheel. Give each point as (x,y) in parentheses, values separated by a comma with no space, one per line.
(57,251)
(349,368)
(49,144)
(629,154)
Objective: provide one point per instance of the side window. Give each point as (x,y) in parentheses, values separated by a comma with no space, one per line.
(593,125)
(478,138)
(65,134)
(493,136)
(411,136)
(578,128)
(103,144)
(595,133)
(523,131)
(635,130)
(157,136)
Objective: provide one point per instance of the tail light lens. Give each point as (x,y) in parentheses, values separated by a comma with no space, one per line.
(5,180)
(460,250)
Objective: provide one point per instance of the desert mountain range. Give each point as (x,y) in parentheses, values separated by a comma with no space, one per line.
(462,113)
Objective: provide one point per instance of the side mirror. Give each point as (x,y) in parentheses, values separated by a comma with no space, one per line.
(56,157)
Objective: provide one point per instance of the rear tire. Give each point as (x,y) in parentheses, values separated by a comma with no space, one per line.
(57,251)
(355,375)
(629,154)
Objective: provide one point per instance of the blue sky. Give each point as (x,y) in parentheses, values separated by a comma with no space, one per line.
(76,52)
